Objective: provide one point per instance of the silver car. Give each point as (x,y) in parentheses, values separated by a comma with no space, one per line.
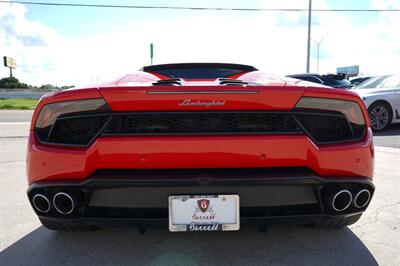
(381,96)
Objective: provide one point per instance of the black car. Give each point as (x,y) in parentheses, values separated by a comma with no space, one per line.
(331,80)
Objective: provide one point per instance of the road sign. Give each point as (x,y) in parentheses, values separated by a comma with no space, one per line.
(348,70)
(10,62)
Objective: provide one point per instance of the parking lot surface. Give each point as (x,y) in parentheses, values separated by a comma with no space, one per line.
(373,240)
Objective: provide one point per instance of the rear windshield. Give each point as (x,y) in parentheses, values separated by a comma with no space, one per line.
(198,73)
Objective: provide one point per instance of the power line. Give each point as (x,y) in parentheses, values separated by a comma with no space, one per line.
(197,8)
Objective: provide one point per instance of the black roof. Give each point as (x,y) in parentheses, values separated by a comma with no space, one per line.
(304,75)
(334,76)
(199,65)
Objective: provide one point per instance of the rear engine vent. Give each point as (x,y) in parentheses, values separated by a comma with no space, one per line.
(80,130)
(326,128)
(231,82)
(168,82)
(202,123)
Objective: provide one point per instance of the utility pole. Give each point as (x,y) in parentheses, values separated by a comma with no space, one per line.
(308,37)
(318,45)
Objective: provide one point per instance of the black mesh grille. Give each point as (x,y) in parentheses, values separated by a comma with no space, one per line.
(202,123)
(326,128)
(77,130)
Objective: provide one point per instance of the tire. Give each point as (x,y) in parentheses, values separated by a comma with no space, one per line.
(69,227)
(337,223)
(380,114)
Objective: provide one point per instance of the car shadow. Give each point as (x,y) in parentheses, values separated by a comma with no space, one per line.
(279,246)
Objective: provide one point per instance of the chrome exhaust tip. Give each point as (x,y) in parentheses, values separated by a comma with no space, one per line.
(41,203)
(63,203)
(341,200)
(361,199)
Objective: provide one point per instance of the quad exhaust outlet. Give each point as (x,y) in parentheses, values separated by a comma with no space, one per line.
(341,200)
(41,203)
(63,203)
(361,199)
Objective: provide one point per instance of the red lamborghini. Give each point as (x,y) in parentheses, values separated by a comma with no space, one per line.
(202,147)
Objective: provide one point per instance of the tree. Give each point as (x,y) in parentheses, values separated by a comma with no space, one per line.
(12,83)
(47,87)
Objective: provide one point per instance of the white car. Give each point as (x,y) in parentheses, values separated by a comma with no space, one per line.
(381,96)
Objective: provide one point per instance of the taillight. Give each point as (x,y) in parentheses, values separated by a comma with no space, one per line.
(64,111)
(330,120)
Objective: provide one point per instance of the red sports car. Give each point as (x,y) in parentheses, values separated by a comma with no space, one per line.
(202,147)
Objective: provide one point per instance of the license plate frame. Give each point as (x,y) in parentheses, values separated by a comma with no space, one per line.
(204,218)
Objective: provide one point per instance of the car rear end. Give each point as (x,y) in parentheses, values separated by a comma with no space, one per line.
(122,153)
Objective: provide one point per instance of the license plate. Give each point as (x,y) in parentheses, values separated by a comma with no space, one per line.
(204,213)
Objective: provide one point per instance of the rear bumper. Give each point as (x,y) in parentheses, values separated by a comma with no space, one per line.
(279,195)
(170,152)
(129,222)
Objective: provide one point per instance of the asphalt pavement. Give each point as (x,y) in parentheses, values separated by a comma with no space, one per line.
(15,116)
(373,240)
(389,137)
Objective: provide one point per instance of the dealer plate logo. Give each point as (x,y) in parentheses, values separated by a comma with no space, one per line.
(203,204)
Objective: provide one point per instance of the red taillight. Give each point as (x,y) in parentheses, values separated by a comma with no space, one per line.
(330,120)
(350,109)
(50,112)
(53,112)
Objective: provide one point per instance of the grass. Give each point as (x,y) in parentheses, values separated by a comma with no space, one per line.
(17,104)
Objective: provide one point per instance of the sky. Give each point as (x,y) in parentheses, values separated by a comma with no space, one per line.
(80,45)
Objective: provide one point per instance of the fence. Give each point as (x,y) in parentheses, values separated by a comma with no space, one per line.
(21,93)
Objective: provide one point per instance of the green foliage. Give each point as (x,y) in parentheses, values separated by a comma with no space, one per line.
(47,87)
(12,83)
(17,104)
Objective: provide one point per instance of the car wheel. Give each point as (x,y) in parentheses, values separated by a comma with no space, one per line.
(380,116)
(60,226)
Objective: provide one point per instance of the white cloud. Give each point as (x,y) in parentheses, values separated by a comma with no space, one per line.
(374,46)
(275,42)
(30,42)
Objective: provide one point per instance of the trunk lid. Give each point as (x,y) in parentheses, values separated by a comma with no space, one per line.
(169,98)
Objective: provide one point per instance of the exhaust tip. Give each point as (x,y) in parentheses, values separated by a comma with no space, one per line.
(41,203)
(341,200)
(361,199)
(63,203)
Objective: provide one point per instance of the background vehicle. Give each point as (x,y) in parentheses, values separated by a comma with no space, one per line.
(331,80)
(148,146)
(381,96)
(357,81)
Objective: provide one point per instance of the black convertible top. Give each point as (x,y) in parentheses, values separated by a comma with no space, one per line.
(199,70)
(241,67)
